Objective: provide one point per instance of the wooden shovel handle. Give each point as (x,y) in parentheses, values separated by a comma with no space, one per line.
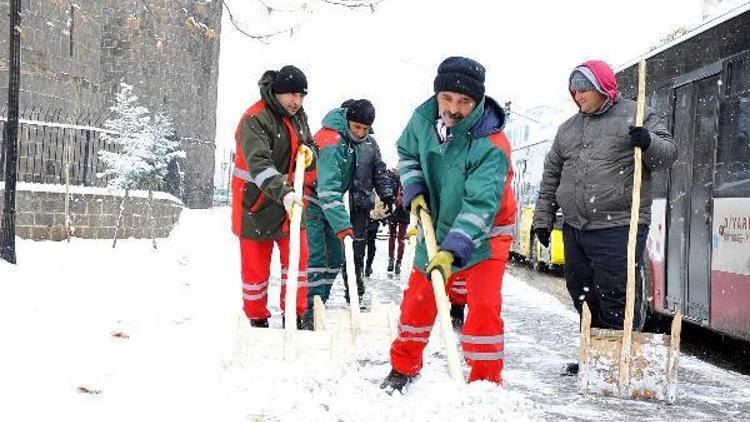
(290,313)
(441,300)
(627,333)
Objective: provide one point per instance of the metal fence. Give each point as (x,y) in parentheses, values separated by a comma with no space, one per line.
(43,137)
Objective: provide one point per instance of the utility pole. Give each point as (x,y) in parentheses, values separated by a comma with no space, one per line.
(8,237)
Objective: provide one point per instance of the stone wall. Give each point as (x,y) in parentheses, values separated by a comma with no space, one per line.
(74,54)
(41,215)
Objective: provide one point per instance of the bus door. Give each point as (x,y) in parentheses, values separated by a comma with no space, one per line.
(695,130)
(730,263)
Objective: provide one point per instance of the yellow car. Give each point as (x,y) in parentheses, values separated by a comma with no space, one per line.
(528,247)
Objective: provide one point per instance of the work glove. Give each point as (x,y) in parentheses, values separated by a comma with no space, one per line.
(304,149)
(289,200)
(346,232)
(411,231)
(418,203)
(388,204)
(442,262)
(639,137)
(543,234)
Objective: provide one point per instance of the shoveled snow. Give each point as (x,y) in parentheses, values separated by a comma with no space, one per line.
(92,333)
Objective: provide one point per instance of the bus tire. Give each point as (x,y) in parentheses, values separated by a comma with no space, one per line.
(533,255)
(652,320)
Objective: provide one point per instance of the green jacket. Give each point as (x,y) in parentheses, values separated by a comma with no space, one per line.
(264,160)
(463,180)
(337,159)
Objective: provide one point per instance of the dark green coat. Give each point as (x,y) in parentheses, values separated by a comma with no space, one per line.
(265,137)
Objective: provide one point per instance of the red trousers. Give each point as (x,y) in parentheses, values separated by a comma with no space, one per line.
(479,286)
(256,270)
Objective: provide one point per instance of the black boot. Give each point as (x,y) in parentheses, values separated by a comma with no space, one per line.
(457,316)
(283,322)
(396,381)
(307,323)
(397,269)
(570,370)
(368,269)
(259,323)
(390,265)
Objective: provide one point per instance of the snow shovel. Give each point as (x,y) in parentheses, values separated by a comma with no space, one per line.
(623,363)
(441,300)
(349,324)
(411,248)
(288,341)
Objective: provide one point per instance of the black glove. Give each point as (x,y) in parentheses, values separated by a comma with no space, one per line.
(639,137)
(543,234)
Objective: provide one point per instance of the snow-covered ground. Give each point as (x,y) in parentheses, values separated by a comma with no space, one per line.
(90,334)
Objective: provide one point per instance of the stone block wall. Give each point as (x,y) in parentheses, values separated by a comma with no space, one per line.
(74,54)
(41,215)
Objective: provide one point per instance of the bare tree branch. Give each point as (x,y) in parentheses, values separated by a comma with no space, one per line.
(260,37)
(354,4)
(263,37)
(270,8)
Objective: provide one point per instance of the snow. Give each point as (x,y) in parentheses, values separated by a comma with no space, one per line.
(62,307)
(90,190)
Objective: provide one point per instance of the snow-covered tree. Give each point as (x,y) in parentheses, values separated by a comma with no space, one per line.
(145,148)
(129,131)
(162,147)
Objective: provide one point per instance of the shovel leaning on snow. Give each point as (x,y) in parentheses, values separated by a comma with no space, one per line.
(347,325)
(624,363)
(441,300)
(288,341)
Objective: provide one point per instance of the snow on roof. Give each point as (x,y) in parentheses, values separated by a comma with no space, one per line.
(701,28)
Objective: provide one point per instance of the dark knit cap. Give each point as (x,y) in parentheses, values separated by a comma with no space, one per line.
(462,75)
(289,80)
(348,103)
(360,111)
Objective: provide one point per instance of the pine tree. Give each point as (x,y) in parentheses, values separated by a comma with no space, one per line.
(145,148)
(161,148)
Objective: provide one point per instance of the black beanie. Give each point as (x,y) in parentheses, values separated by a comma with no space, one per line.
(289,80)
(462,75)
(360,111)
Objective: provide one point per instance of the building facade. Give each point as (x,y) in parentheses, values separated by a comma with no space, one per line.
(75,53)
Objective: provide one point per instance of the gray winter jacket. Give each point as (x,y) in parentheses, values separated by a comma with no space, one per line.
(369,173)
(588,172)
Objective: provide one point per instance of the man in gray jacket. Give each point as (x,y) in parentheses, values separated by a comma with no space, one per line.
(369,173)
(588,173)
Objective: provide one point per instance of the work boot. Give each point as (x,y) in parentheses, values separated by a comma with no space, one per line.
(457,316)
(397,269)
(396,381)
(390,265)
(299,322)
(259,323)
(306,323)
(570,370)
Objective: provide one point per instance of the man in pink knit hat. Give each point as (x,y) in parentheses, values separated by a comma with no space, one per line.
(588,173)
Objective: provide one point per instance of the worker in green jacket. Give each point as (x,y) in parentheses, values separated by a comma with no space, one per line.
(454,162)
(343,142)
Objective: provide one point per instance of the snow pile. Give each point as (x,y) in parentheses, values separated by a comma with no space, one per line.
(92,334)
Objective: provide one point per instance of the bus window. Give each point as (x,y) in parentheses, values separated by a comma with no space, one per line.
(733,164)
(739,75)
(659,100)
